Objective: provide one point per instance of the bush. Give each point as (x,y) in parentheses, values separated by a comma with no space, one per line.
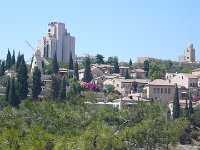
(195,135)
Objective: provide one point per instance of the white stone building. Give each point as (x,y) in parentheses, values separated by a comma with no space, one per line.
(58,40)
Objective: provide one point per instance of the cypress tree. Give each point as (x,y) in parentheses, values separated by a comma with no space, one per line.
(191,109)
(18,61)
(186,108)
(12,98)
(7,91)
(55,64)
(176,104)
(76,71)
(13,58)
(87,77)
(146,67)
(55,87)
(37,83)
(116,66)
(8,60)
(71,63)
(62,95)
(22,77)
(127,76)
(130,62)
(2,68)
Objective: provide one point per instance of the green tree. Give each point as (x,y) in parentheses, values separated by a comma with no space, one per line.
(112,60)
(55,64)
(176,104)
(127,76)
(157,71)
(12,97)
(71,63)
(22,80)
(18,61)
(13,58)
(37,83)
(2,68)
(146,67)
(191,110)
(73,96)
(186,108)
(99,59)
(116,66)
(130,62)
(55,87)
(7,91)
(76,71)
(87,73)
(62,95)
(8,60)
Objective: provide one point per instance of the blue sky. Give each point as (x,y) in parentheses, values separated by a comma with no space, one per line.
(127,29)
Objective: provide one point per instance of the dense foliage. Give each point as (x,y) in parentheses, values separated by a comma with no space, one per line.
(55,125)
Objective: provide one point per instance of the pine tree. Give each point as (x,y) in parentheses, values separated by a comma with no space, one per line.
(116,66)
(127,76)
(55,64)
(12,97)
(37,83)
(8,60)
(76,71)
(7,91)
(22,80)
(13,58)
(71,63)
(146,67)
(99,59)
(176,104)
(191,109)
(87,77)
(55,87)
(186,108)
(130,62)
(18,61)
(62,95)
(2,68)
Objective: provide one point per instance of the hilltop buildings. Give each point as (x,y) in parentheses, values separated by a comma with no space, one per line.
(58,40)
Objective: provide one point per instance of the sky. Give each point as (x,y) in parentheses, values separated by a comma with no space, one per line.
(127,29)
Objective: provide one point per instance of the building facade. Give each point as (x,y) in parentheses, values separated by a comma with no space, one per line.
(190,54)
(58,40)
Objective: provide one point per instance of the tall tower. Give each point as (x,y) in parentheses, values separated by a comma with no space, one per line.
(58,40)
(190,54)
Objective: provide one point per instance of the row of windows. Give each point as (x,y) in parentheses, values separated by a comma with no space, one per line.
(162,90)
(193,84)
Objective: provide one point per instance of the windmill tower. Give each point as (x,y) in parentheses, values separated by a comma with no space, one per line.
(37,59)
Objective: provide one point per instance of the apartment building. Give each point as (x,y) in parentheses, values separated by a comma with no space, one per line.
(159,90)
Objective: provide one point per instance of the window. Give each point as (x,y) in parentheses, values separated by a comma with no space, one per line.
(193,84)
(196,84)
(154,90)
(182,77)
(158,90)
(190,84)
(165,90)
(161,91)
(117,85)
(169,90)
(49,30)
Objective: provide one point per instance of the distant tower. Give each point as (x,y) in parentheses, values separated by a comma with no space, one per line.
(190,54)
